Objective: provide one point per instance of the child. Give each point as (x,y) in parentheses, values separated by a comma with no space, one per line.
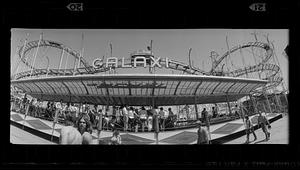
(116,138)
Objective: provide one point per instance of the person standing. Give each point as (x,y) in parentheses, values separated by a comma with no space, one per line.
(68,115)
(162,118)
(79,135)
(143,117)
(172,117)
(155,122)
(130,118)
(263,122)
(203,136)
(236,111)
(23,105)
(91,112)
(118,115)
(149,120)
(205,118)
(249,129)
(125,117)
(70,135)
(214,112)
(98,120)
(242,113)
(171,114)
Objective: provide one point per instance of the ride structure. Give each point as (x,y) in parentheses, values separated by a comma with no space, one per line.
(85,83)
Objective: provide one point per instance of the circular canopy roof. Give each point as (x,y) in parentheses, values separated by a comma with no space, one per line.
(139,89)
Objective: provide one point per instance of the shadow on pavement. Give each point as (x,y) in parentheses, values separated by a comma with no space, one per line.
(264,140)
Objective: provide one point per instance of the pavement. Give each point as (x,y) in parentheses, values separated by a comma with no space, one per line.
(220,133)
(20,136)
(279,134)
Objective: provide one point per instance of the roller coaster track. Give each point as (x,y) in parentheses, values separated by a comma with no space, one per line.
(47,43)
(264,46)
(273,79)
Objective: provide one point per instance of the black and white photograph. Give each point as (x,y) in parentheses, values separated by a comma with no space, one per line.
(154,86)
(211,84)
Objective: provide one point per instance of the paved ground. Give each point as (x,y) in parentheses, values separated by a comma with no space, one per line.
(279,134)
(19,136)
(184,136)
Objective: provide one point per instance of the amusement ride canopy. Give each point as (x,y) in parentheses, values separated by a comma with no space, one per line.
(87,84)
(139,89)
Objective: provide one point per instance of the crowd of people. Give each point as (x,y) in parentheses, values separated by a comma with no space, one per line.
(124,117)
(85,119)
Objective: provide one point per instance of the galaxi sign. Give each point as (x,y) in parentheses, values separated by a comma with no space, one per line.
(139,61)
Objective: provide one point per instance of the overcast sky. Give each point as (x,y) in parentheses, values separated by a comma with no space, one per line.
(171,43)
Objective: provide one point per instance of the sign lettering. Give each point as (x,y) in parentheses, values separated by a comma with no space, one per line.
(138,61)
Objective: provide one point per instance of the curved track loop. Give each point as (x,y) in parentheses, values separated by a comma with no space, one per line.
(47,43)
(264,46)
(273,79)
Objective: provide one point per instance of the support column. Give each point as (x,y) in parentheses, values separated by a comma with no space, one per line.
(228,104)
(216,109)
(254,104)
(155,125)
(61,57)
(12,106)
(26,112)
(242,111)
(74,67)
(66,63)
(264,107)
(279,103)
(25,43)
(287,103)
(268,102)
(36,52)
(153,101)
(196,109)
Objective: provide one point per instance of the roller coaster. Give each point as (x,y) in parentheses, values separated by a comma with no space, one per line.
(273,77)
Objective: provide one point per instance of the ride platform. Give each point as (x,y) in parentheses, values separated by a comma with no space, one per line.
(220,133)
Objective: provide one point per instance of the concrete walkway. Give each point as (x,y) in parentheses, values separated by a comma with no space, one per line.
(19,136)
(279,134)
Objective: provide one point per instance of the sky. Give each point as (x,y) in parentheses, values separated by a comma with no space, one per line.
(171,43)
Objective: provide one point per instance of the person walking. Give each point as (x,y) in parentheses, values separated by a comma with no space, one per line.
(203,136)
(264,123)
(249,129)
